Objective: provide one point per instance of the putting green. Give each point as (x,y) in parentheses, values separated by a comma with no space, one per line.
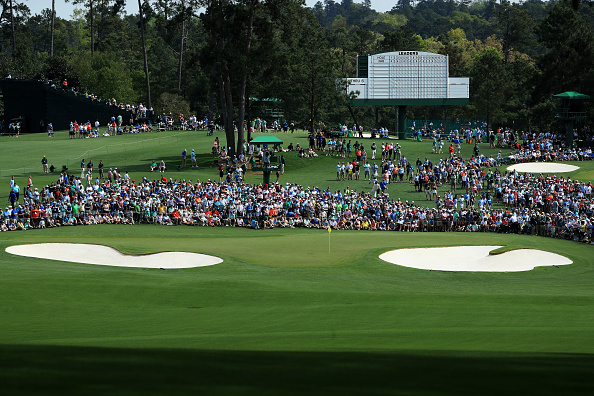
(282,296)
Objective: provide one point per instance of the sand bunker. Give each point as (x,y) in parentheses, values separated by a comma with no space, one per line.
(543,167)
(473,258)
(103,255)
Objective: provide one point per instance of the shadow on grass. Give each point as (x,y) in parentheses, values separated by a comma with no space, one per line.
(53,370)
(204,161)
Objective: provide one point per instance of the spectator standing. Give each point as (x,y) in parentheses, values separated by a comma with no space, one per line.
(44,163)
(12,198)
(193,158)
(90,167)
(17,191)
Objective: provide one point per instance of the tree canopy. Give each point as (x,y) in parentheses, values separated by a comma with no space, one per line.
(209,58)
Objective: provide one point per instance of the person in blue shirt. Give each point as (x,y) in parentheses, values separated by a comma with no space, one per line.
(193,158)
(17,191)
(184,155)
(12,198)
(14,214)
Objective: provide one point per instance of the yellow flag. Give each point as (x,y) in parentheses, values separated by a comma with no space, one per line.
(329,229)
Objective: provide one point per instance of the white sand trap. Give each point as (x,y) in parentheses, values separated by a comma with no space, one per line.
(543,167)
(103,255)
(473,258)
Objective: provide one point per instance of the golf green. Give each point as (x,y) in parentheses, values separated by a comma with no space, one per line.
(344,319)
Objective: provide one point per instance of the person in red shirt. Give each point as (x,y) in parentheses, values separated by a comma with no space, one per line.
(176,217)
(35,217)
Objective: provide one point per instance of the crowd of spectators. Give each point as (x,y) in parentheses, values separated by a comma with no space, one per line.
(529,204)
(476,197)
(113,127)
(116,126)
(138,111)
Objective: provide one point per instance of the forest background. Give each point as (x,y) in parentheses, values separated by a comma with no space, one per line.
(210,57)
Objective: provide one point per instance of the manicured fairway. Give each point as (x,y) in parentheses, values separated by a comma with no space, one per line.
(282,315)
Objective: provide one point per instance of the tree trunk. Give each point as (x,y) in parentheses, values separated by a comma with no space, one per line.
(52,32)
(12,29)
(312,120)
(211,98)
(146,69)
(92,27)
(224,79)
(354,118)
(181,45)
(312,109)
(243,86)
(227,109)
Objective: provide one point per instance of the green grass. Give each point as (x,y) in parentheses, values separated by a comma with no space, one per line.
(280,315)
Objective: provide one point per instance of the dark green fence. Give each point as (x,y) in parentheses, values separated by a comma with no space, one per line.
(36,103)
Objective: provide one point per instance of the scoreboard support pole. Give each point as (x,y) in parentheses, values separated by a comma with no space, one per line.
(400,121)
(396,120)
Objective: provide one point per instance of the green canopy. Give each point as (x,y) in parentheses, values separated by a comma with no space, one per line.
(571,95)
(266,140)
